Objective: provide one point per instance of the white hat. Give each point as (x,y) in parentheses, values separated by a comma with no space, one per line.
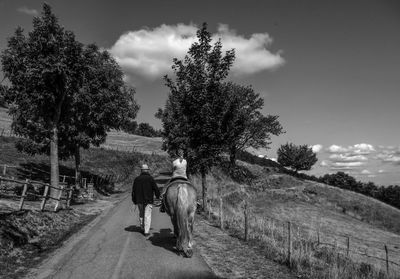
(144,167)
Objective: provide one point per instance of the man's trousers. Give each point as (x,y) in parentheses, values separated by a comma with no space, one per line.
(145,216)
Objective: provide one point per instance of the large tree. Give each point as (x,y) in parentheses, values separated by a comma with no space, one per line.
(98,101)
(296,157)
(192,116)
(44,69)
(243,123)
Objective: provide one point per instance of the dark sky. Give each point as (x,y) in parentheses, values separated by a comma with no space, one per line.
(334,82)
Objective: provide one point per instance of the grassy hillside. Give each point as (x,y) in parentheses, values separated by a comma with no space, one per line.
(275,198)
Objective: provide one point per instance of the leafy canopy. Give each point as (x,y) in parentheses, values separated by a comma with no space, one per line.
(192,117)
(243,123)
(56,81)
(297,157)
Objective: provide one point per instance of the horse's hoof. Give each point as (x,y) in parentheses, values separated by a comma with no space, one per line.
(188,253)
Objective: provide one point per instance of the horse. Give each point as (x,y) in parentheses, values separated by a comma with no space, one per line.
(181,204)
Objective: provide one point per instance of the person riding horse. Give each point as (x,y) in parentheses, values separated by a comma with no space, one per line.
(179,173)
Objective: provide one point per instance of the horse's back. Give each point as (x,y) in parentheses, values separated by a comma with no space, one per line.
(181,189)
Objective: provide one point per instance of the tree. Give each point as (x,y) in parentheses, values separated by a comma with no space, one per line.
(44,69)
(146,130)
(98,102)
(103,103)
(192,116)
(297,157)
(243,124)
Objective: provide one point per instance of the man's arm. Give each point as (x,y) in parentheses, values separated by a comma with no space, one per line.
(155,189)
(133,191)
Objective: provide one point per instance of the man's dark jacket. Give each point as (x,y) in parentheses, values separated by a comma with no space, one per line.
(144,188)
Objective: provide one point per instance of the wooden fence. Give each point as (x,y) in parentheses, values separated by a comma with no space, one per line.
(63,190)
(67,184)
(390,250)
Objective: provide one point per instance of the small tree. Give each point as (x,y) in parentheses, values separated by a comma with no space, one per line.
(243,124)
(296,157)
(192,116)
(146,130)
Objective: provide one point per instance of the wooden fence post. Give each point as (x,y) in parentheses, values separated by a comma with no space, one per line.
(387,259)
(348,246)
(246,221)
(59,198)
(21,202)
(209,209)
(318,237)
(69,197)
(46,190)
(4,169)
(221,214)
(289,243)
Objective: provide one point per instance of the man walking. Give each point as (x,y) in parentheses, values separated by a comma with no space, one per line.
(143,190)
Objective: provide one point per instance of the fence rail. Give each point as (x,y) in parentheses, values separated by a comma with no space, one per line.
(67,184)
(45,196)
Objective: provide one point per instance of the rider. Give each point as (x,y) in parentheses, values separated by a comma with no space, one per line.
(179,172)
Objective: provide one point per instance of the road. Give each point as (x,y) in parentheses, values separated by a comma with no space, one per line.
(113,247)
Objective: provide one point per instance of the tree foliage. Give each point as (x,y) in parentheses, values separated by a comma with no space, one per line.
(192,116)
(63,95)
(243,123)
(43,68)
(146,130)
(296,157)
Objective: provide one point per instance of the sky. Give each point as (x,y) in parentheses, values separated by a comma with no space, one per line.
(329,69)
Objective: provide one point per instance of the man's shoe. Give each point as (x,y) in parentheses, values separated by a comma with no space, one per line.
(147,234)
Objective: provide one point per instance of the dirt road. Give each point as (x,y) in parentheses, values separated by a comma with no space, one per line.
(113,247)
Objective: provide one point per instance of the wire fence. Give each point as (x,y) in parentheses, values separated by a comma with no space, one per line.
(382,255)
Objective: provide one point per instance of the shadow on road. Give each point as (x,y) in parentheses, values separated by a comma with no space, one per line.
(164,239)
(134,229)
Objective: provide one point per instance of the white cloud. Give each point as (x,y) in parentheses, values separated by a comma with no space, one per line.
(363,148)
(149,52)
(347,164)
(316,148)
(324,163)
(388,156)
(347,158)
(28,11)
(337,149)
(365,172)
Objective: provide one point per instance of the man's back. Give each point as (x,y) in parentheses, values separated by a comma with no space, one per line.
(144,188)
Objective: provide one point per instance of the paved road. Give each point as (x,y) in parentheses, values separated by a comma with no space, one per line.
(114,248)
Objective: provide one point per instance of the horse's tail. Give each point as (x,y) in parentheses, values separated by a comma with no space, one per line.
(182,215)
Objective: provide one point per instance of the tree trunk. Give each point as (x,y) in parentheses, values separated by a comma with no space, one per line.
(54,170)
(204,188)
(77,165)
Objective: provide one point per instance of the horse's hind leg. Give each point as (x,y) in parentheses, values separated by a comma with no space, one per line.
(191,221)
(175,224)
